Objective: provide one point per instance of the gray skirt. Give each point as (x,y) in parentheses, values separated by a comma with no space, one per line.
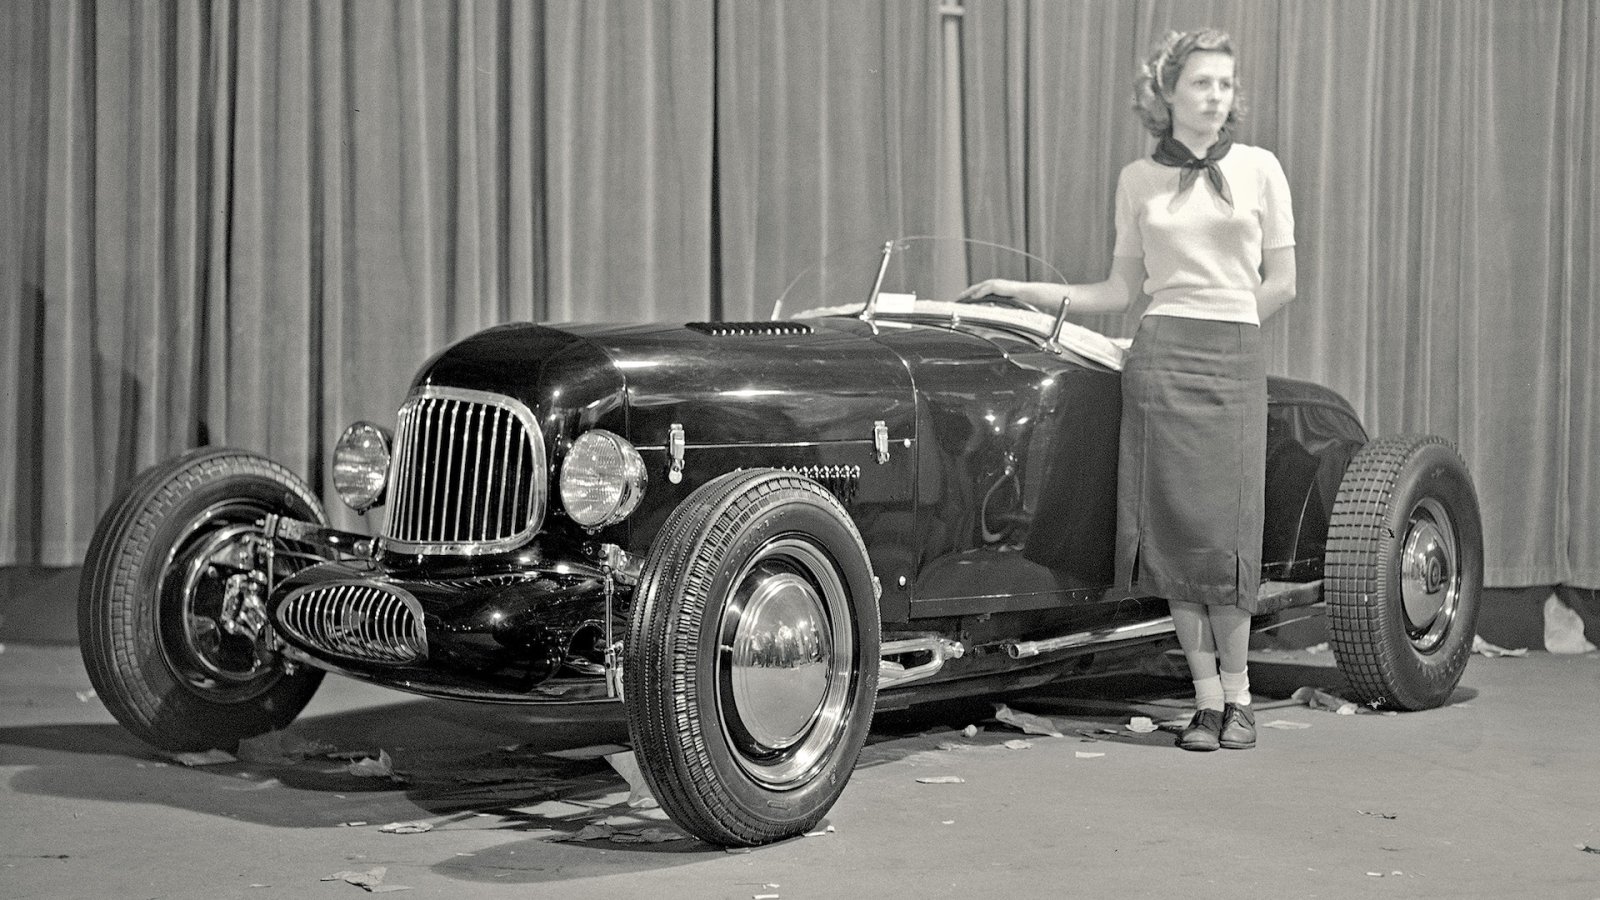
(1191,482)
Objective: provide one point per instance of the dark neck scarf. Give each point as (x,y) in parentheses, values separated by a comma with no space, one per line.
(1173,152)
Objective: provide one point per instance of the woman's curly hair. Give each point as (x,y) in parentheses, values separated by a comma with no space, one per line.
(1158,76)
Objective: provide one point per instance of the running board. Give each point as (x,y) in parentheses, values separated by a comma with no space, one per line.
(1135,631)
(1275,596)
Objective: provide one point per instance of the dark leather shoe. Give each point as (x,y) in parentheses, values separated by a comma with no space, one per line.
(1238,727)
(1203,732)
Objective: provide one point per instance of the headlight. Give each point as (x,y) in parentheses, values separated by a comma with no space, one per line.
(361,465)
(602,479)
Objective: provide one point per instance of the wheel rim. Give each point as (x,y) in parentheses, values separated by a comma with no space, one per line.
(1430,575)
(784,663)
(214,635)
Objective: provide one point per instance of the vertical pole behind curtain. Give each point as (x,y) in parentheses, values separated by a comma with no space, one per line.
(948,206)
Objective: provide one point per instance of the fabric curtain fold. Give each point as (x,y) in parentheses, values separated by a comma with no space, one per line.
(827,118)
(246,223)
(627,123)
(1441,156)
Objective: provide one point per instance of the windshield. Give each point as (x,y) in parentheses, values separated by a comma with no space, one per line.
(921,277)
(896,274)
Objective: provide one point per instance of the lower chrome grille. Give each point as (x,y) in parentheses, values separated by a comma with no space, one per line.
(468,475)
(371,623)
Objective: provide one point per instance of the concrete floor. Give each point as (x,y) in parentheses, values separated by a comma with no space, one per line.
(1494,795)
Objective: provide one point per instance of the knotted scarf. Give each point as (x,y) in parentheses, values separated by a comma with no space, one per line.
(1172,152)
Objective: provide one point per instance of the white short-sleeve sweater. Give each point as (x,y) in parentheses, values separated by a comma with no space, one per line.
(1203,260)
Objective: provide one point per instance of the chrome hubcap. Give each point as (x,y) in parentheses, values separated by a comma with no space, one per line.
(1430,579)
(784,668)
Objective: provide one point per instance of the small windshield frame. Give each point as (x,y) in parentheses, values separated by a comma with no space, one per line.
(868,281)
(919,278)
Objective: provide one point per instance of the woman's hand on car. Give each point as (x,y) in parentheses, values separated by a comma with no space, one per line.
(993,287)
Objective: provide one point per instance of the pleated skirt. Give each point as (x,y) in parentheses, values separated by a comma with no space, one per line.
(1191,484)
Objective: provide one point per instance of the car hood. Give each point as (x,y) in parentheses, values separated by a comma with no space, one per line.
(725,383)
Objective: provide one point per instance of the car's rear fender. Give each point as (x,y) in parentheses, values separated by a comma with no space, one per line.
(1312,434)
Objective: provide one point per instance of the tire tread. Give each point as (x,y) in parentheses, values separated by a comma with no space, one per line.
(112,621)
(1361,543)
(677,579)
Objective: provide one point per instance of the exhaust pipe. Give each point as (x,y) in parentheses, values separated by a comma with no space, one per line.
(1135,631)
(892,674)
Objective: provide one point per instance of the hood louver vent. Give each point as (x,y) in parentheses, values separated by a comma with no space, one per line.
(749,329)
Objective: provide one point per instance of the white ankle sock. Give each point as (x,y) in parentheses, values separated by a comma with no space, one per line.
(1235,687)
(1208,693)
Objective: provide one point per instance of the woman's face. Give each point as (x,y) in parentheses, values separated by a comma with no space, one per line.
(1203,96)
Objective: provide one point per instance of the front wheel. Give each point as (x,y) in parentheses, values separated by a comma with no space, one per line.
(752,658)
(172,607)
(1404,572)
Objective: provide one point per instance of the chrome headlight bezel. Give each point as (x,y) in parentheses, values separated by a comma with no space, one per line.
(361,459)
(603,478)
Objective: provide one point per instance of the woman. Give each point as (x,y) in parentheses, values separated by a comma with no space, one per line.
(1204,227)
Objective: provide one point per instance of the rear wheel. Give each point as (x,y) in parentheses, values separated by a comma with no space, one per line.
(1404,572)
(172,608)
(752,661)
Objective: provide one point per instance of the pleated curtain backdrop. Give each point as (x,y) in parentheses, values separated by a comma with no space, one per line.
(827,123)
(1443,159)
(247,223)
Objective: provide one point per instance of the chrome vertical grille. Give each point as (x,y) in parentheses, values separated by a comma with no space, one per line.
(468,475)
(356,620)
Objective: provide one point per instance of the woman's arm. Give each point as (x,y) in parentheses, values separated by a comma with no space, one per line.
(1115,294)
(1277,281)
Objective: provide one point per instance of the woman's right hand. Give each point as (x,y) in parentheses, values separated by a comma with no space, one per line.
(993,287)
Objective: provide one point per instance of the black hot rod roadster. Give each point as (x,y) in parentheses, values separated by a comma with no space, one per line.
(750,535)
